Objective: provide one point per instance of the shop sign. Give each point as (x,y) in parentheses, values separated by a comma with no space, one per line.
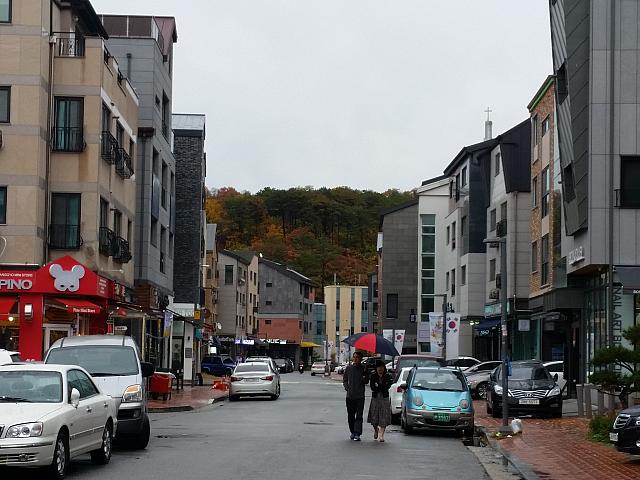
(274,341)
(495,309)
(16,281)
(524,325)
(576,255)
(186,310)
(244,341)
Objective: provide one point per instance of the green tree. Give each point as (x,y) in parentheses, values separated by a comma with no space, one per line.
(619,366)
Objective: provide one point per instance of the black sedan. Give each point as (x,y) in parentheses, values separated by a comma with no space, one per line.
(625,434)
(532,390)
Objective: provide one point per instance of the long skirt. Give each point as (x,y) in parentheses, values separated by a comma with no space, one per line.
(379,412)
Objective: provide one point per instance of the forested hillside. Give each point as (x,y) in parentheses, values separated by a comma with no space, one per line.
(320,232)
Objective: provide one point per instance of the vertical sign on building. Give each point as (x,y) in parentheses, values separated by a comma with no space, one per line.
(435,329)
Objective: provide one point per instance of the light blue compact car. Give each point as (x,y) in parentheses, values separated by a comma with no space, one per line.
(437,399)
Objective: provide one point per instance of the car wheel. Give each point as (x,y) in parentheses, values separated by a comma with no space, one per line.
(60,461)
(277,395)
(313,374)
(102,455)
(403,423)
(481,390)
(395,419)
(233,398)
(142,440)
(556,413)
(468,432)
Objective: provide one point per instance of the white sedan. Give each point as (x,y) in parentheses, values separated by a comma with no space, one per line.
(396,392)
(52,413)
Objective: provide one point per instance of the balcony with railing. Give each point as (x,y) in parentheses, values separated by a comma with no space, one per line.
(69,45)
(109,148)
(107,241)
(122,251)
(67,139)
(64,237)
(124,168)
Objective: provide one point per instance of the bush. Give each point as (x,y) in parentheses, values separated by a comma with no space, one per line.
(599,427)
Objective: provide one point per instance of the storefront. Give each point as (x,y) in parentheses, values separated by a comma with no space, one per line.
(40,306)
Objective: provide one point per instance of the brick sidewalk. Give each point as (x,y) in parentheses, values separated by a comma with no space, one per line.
(190,398)
(559,449)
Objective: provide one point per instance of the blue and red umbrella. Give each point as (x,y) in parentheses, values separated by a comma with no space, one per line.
(372,343)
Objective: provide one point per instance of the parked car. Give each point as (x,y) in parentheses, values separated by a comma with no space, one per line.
(318,368)
(557,367)
(281,363)
(370,364)
(625,432)
(217,365)
(478,377)
(438,399)
(416,361)
(462,362)
(396,392)
(268,360)
(114,363)
(340,368)
(8,356)
(254,379)
(532,390)
(51,414)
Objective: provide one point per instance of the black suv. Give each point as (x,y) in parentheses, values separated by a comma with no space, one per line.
(625,434)
(532,390)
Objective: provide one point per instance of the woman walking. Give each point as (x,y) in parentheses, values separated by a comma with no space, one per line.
(380,407)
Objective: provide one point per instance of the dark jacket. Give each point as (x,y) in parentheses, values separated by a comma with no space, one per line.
(355,380)
(380,386)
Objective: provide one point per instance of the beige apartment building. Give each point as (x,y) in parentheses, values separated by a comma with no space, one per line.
(346,314)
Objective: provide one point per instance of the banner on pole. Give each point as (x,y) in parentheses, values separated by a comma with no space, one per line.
(435,332)
(453,335)
(398,341)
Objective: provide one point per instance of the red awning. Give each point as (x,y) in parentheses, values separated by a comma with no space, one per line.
(6,304)
(79,306)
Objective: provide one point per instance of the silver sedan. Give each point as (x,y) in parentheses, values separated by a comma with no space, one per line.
(253,379)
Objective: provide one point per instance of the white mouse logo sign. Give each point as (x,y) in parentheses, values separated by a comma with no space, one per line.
(66,280)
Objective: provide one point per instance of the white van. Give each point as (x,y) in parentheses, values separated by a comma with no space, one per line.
(114,363)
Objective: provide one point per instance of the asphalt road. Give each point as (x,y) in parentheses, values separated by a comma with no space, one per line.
(302,436)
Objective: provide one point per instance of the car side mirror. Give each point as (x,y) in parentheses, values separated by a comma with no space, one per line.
(555,377)
(148,369)
(492,377)
(74,398)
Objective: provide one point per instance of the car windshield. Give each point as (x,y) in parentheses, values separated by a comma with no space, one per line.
(98,360)
(418,362)
(31,387)
(252,367)
(280,362)
(527,372)
(441,380)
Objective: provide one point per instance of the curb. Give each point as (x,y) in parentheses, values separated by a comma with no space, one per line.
(523,469)
(184,408)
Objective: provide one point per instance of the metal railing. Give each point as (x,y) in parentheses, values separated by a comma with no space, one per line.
(67,139)
(122,252)
(123,163)
(107,241)
(64,236)
(69,45)
(109,147)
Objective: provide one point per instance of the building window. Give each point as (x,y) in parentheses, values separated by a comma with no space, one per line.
(154,232)
(3,205)
(5,102)
(269,284)
(268,302)
(562,89)
(463,227)
(228,274)
(117,222)
(544,198)
(464,176)
(163,246)
(450,189)
(492,220)
(65,221)
(164,180)
(337,304)
(544,265)
(458,187)
(534,256)
(498,159)
(448,234)
(267,322)
(503,211)
(171,245)
(629,188)
(392,305)
(453,281)
(534,192)
(69,118)
(545,125)
(428,270)
(446,281)
(534,130)
(453,236)
(463,275)
(492,270)
(5,11)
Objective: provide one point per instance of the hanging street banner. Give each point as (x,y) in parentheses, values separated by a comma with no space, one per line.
(435,333)
(453,335)
(398,341)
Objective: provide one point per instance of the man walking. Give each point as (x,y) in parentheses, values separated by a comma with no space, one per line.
(354,380)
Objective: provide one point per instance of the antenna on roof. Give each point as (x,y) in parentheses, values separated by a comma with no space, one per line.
(488,125)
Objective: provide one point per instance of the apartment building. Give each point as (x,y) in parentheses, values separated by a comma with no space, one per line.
(143,46)
(346,314)
(68,137)
(597,102)
(211,282)
(372,300)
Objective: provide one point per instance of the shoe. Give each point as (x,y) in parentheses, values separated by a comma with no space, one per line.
(356,438)
(381,440)
(352,437)
(375,434)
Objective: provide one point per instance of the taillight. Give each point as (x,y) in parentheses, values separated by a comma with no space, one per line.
(267,378)
(235,379)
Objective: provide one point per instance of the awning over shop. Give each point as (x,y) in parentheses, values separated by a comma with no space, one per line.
(309,345)
(630,278)
(7,304)
(79,306)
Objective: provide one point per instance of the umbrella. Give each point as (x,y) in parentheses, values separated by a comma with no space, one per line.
(372,343)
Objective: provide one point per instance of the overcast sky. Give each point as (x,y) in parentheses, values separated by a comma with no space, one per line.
(372,94)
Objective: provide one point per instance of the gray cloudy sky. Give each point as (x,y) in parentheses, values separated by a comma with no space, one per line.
(373,94)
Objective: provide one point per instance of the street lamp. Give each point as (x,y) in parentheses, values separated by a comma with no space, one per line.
(501,243)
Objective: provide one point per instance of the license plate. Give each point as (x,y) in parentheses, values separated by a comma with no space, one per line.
(529,401)
(613,437)
(440,417)
(252,380)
